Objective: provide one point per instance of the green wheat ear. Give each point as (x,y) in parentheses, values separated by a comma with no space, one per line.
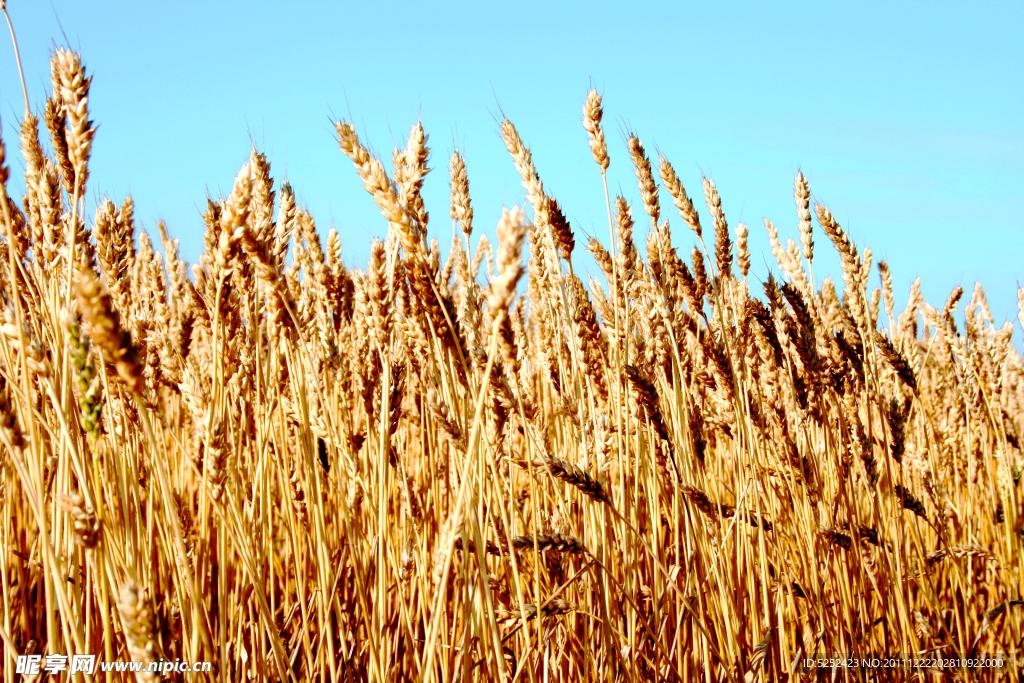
(90,386)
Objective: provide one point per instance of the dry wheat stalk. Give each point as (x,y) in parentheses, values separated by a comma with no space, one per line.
(286,449)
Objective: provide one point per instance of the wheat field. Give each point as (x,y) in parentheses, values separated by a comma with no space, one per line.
(466,463)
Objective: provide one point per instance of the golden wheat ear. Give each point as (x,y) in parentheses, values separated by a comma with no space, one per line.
(106,331)
(286,467)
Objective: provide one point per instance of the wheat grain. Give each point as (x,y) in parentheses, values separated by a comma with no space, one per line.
(286,450)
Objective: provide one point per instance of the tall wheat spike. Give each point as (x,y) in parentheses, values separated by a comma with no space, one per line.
(296,469)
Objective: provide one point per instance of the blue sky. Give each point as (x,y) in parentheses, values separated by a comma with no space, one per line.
(907,119)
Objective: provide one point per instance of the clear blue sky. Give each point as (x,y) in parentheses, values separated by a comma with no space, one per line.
(908,119)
